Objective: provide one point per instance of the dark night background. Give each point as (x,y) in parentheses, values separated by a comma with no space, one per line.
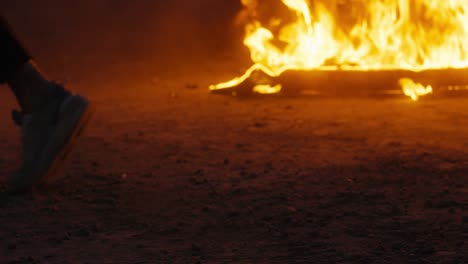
(169,173)
(85,37)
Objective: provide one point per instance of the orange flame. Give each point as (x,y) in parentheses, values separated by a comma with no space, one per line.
(366,35)
(414,90)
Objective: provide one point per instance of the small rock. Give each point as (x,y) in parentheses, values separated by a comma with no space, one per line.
(191,86)
(259,125)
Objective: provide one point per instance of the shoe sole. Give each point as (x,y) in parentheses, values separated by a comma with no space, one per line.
(49,168)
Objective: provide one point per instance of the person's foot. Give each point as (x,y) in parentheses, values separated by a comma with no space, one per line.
(47,136)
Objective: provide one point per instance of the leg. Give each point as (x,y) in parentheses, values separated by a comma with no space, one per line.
(51,117)
(16,68)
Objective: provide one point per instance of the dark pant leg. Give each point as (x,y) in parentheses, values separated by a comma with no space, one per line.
(12,53)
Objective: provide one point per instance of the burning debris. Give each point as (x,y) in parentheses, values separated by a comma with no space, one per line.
(409,44)
(414,90)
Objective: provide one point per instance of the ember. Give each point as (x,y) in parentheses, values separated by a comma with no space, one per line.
(368,35)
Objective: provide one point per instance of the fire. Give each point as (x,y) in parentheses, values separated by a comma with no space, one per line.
(362,35)
(414,90)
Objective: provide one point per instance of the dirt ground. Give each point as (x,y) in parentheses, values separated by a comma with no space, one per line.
(168,173)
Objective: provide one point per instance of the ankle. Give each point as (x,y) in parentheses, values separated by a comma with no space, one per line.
(31,88)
